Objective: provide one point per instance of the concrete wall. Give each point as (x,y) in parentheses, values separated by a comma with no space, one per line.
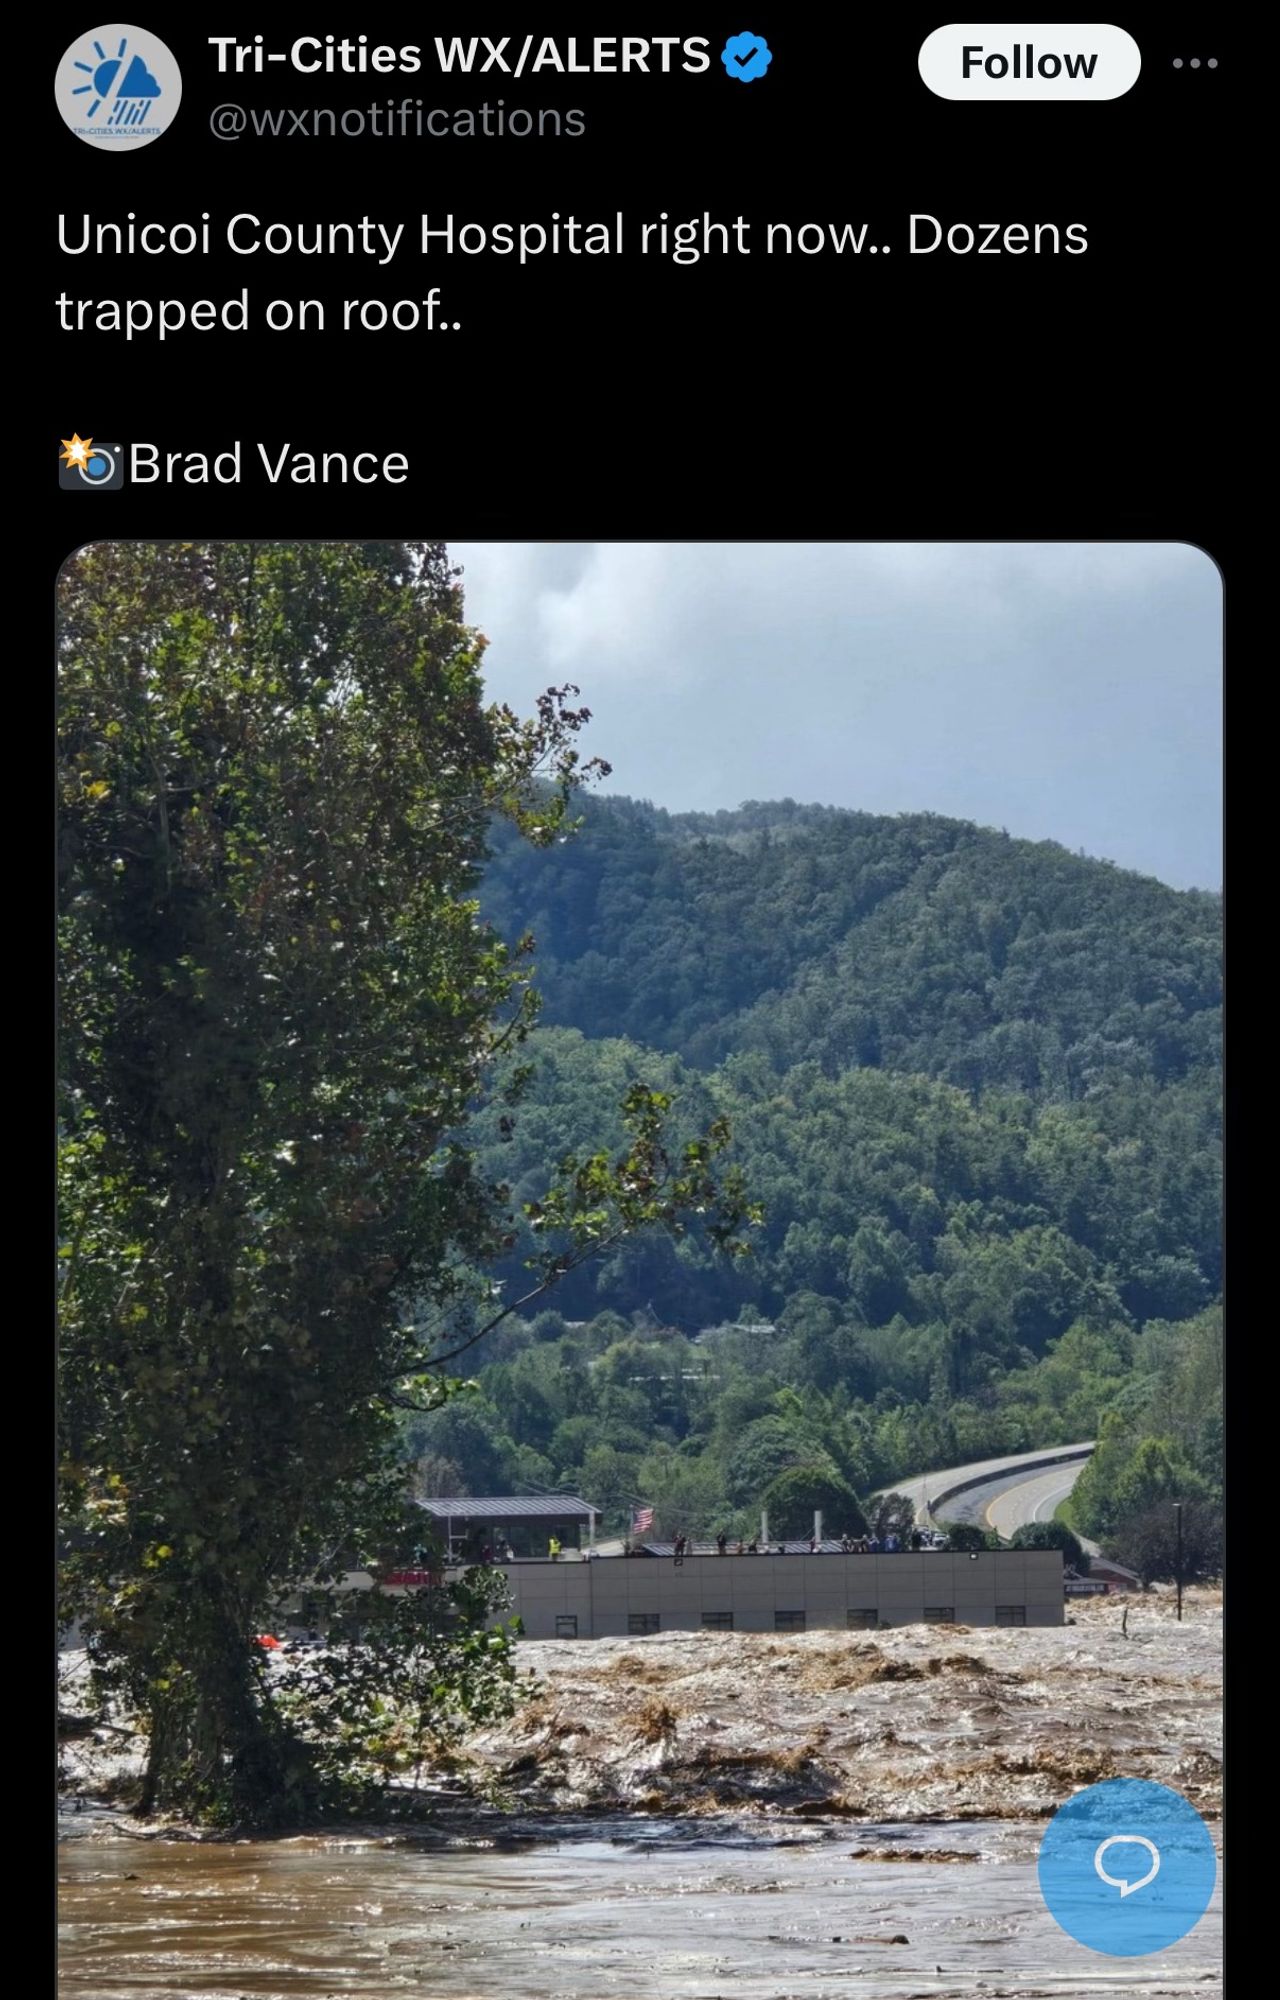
(603,1596)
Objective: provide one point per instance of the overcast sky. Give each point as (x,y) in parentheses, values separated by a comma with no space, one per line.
(1068,692)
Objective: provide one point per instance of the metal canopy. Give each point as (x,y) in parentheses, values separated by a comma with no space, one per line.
(510,1507)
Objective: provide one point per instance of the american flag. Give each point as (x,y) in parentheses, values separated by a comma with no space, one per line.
(641,1520)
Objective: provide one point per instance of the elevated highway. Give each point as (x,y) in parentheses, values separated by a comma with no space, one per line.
(1000,1493)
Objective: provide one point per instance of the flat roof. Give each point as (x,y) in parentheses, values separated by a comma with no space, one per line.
(770,1548)
(510,1507)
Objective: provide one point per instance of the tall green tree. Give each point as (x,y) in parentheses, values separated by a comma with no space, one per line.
(796,1495)
(279,1004)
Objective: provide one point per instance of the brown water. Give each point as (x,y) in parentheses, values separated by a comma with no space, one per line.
(587,1910)
(692,1817)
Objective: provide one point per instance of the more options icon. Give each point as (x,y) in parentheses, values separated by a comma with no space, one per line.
(1127,1867)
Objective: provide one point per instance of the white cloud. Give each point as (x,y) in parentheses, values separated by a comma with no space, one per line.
(1068,691)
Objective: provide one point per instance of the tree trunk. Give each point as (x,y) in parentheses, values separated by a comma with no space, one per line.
(218,1745)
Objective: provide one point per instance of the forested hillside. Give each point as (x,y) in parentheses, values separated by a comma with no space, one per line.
(972,1080)
(917,944)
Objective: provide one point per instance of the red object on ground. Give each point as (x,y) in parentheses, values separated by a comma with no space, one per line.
(266,1639)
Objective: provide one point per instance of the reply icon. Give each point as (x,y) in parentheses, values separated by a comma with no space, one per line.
(1098,1905)
(1119,1882)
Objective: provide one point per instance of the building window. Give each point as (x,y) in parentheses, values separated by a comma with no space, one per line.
(717,1621)
(788,1621)
(939,1614)
(863,1621)
(567,1625)
(1011,1614)
(643,1621)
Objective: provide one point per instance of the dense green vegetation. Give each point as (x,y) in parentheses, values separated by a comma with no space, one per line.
(916,944)
(974,1083)
(277,778)
(1161,1441)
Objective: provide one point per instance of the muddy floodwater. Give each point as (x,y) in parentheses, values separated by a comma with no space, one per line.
(645,1909)
(694,1817)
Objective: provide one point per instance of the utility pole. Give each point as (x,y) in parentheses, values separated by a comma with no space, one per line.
(1177,1511)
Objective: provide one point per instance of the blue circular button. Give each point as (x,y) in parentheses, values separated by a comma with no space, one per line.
(1127,1867)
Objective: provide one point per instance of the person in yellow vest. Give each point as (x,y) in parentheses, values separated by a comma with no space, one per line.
(554,1548)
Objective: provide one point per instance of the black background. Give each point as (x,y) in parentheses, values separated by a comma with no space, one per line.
(967,397)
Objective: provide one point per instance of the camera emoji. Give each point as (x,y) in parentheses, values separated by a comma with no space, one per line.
(89,462)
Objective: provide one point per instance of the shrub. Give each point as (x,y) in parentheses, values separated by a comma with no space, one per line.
(1052,1535)
(968,1536)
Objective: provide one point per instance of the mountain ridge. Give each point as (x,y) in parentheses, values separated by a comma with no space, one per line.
(819,933)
